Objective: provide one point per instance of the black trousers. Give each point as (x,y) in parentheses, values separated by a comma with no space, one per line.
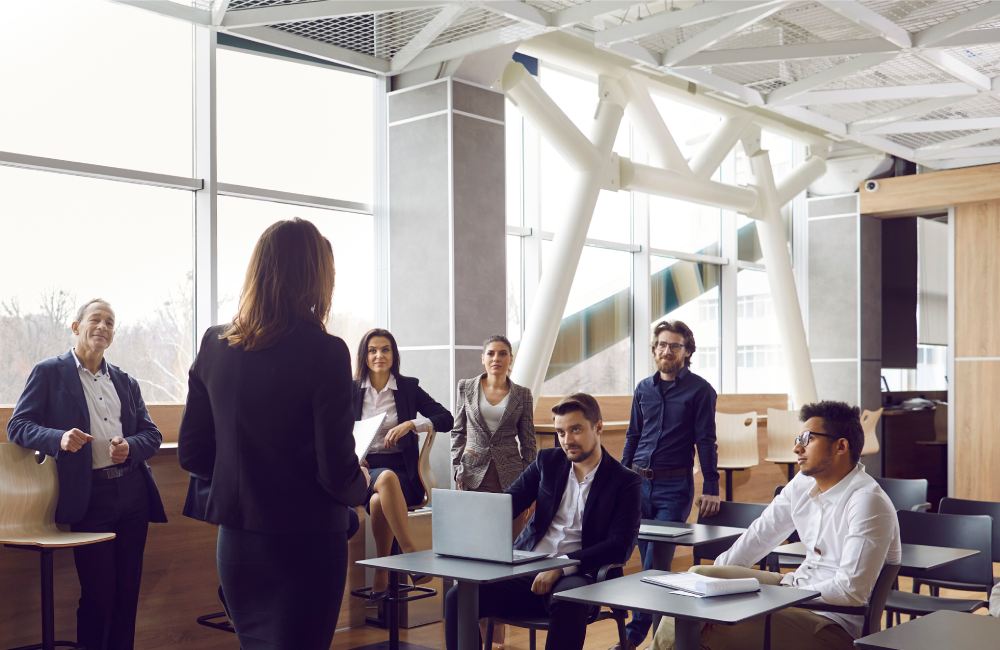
(283,590)
(514,599)
(110,573)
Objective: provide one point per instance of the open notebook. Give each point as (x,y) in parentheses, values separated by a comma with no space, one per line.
(700,585)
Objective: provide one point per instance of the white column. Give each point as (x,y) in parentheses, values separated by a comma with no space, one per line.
(205,199)
(542,322)
(777,260)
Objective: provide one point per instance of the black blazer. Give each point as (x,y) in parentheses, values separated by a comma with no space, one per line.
(411,399)
(272,430)
(610,518)
(53,403)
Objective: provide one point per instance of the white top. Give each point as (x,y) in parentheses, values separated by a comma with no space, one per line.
(492,413)
(565,533)
(995,600)
(105,408)
(384,401)
(849,532)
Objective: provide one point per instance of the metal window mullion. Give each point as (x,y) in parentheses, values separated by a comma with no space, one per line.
(292,198)
(205,199)
(103,172)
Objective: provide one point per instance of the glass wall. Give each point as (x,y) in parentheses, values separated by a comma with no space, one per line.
(120,92)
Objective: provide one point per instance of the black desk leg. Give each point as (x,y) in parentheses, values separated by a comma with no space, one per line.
(729,484)
(767,632)
(468,616)
(392,610)
(687,634)
(791,471)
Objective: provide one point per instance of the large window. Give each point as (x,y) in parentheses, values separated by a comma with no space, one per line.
(760,360)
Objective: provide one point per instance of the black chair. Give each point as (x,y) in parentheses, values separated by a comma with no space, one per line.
(597,613)
(731,513)
(906,493)
(951,506)
(872,610)
(951,531)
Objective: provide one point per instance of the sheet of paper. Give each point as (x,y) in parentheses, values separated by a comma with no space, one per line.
(364,433)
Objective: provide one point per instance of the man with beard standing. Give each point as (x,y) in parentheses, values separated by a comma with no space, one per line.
(673,411)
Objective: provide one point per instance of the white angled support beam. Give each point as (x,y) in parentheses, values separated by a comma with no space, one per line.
(422,39)
(970,140)
(720,84)
(937,33)
(712,153)
(663,182)
(934,126)
(666,20)
(648,121)
(812,118)
(886,145)
(586,12)
(802,177)
(535,104)
(172,10)
(637,53)
(778,262)
(857,64)
(895,115)
(219,10)
(542,323)
(296,43)
(992,151)
(881,93)
(945,62)
(719,31)
(317,10)
(859,14)
(519,11)
(770,54)
(469,45)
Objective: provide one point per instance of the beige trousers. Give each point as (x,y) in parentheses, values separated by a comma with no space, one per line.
(791,628)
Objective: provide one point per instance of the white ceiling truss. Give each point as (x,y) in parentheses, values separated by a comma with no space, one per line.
(919,79)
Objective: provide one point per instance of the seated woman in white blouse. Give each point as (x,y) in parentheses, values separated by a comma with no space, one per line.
(393,456)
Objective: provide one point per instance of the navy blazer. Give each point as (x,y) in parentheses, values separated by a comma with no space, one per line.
(610,518)
(53,403)
(411,399)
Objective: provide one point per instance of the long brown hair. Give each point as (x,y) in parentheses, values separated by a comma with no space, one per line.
(290,278)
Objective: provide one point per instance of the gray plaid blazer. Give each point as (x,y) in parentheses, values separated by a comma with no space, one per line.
(473,446)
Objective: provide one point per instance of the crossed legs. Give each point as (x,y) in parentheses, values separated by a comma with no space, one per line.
(389,520)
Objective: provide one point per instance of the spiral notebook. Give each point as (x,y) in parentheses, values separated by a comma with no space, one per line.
(703,586)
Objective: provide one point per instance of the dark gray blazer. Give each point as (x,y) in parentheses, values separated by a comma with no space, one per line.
(473,446)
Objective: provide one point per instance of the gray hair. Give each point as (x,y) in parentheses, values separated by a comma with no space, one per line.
(83,308)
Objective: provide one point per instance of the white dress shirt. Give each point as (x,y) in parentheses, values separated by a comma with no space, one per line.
(384,401)
(565,533)
(105,408)
(849,532)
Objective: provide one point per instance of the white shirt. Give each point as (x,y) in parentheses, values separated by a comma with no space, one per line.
(384,401)
(995,600)
(565,533)
(849,532)
(492,413)
(105,408)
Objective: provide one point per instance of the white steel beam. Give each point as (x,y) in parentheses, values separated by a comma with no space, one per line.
(290,13)
(991,151)
(542,321)
(664,182)
(721,84)
(721,30)
(302,45)
(886,145)
(970,140)
(667,20)
(104,172)
(957,163)
(520,11)
(637,53)
(881,93)
(586,12)
(422,39)
(466,46)
(801,177)
(654,131)
(958,69)
(857,64)
(971,37)
(219,10)
(714,151)
(172,10)
(895,115)
(937,33)
(859,14)
(812,118)
(934,126)
(770,54)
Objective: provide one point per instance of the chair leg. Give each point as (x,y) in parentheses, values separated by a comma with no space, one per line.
(622,633)
(729,484)
(488,642)
(531,639)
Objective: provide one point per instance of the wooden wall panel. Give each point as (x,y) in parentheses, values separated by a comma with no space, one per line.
(977,430)
(977,279)
(934,192)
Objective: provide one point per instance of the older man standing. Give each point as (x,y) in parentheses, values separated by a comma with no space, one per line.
(89,415)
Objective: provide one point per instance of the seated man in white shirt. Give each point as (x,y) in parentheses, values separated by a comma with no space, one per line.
(847,524)
(995,600)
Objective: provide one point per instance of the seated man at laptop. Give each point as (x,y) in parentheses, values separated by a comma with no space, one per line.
(846,522)
(587,508)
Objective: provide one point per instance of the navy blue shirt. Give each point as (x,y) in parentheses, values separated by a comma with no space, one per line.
(670,419)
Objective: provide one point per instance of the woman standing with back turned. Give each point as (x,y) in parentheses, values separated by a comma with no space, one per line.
(269,419)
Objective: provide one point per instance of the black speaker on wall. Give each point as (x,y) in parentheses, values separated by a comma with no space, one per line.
(899,293)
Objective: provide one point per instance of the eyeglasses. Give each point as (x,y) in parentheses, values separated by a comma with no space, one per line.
(674,347)
(803,439)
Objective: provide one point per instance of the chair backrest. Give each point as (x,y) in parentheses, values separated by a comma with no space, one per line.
(731,513)
(28,493)
(736,436)
(905,493)
(951,506)
(869,422)
(876,602)
(953,531)
(424,469)
(782,427)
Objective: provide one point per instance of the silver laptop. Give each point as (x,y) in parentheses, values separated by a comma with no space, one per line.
(475,525)
(662,531)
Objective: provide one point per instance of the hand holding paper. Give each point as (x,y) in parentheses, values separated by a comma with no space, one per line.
(364,433)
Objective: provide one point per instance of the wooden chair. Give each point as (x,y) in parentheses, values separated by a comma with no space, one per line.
(736,435)
(869,422)
(29,490)
(424,469)
(782,427)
